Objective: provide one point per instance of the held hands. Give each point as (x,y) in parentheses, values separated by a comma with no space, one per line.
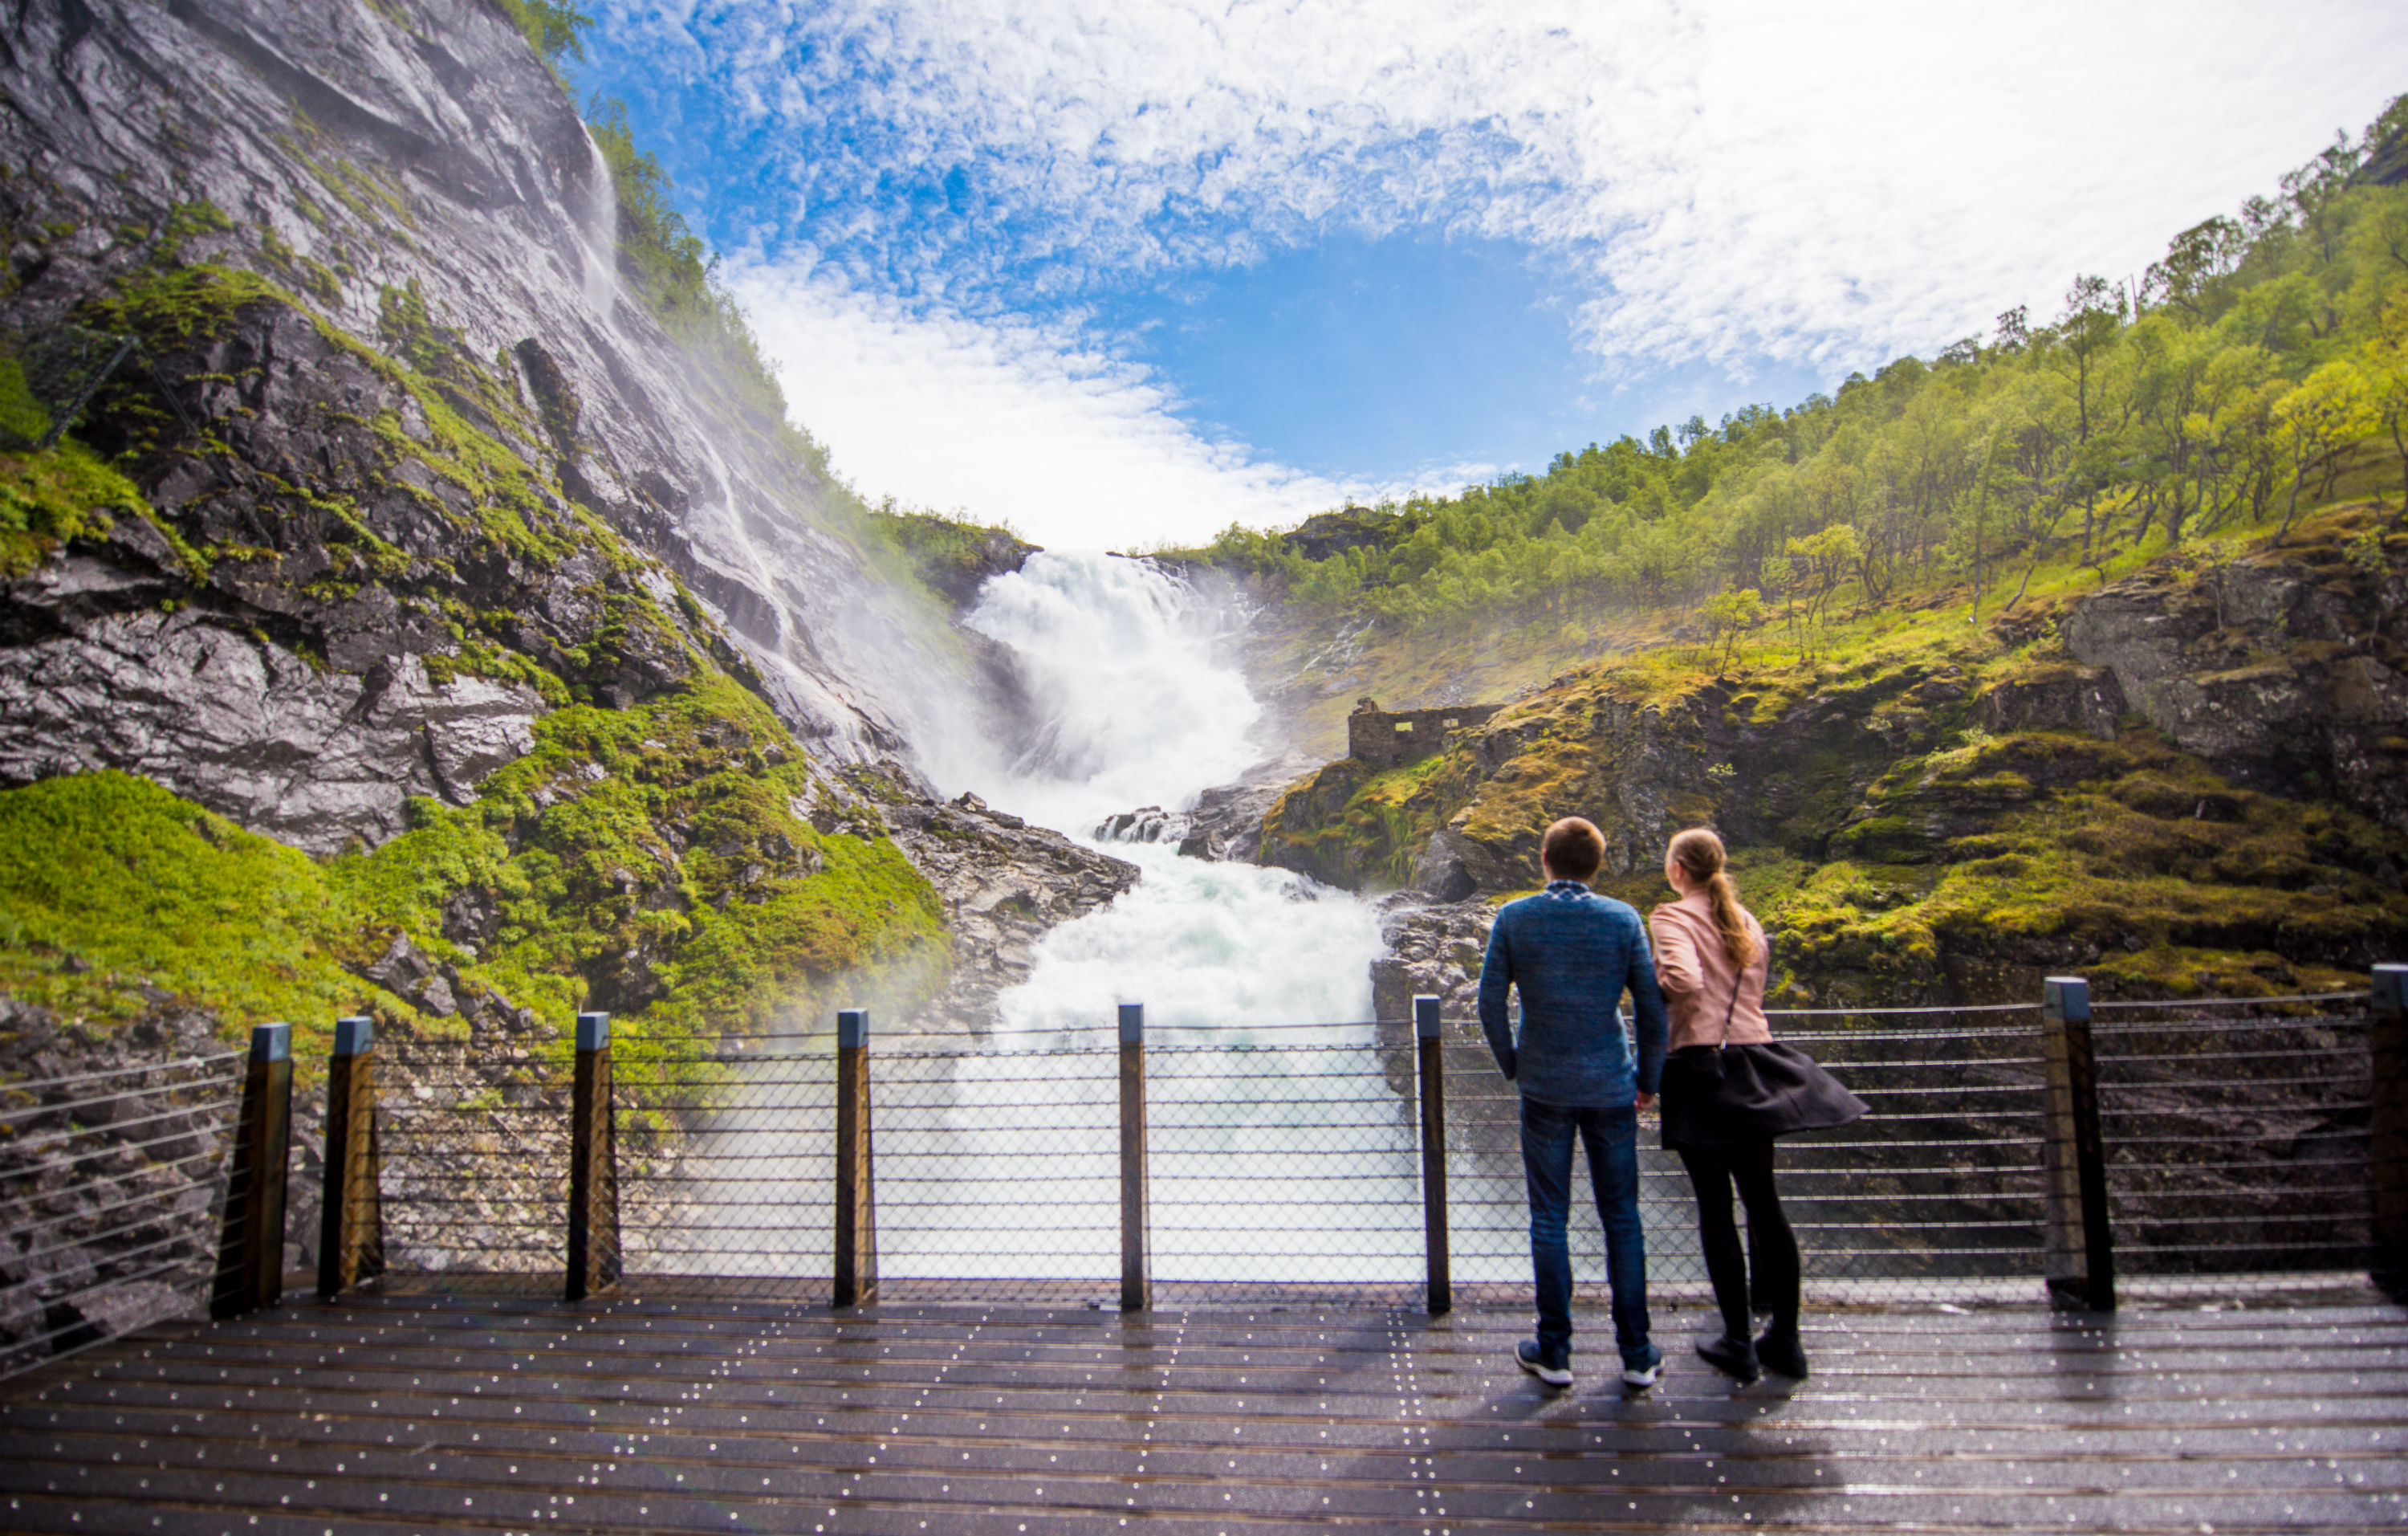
(1644,1102)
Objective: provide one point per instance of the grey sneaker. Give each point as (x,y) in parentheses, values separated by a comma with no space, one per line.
(1525,1355)
(1642,1378)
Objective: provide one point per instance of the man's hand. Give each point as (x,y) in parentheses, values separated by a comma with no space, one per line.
(1644,1102)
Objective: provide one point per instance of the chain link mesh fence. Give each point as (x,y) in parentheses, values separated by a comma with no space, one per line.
(1934,1193)
(112,1183)
(727,1164)
(997,1173)
(1287,1161)
(475,1146)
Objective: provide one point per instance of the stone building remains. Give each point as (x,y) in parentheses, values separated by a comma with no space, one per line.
(1387,738)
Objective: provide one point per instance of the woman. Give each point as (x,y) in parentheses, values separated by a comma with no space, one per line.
(1728,1090)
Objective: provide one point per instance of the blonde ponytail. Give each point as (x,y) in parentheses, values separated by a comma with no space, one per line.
(1699,855)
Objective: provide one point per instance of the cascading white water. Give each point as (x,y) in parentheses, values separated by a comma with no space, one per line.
(1003,1161)
(598,235)
(1131,705)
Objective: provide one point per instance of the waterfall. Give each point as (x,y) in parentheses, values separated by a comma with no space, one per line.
(598,232)
(1129,704)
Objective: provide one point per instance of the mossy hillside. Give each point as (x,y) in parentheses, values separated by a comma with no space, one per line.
(667,856)
(115,894)
(431,494)
(51,496)
(1973,871)
(1345,825)
(1903,851)
(665,862)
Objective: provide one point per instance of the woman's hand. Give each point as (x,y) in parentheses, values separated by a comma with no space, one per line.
(1644,1102)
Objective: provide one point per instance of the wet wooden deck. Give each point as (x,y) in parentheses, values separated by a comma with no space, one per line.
(415,1412)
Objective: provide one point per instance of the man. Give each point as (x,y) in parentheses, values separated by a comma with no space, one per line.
(1573,953)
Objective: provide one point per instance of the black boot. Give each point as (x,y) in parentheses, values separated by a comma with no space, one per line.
(1734,1358)
(1780,1352)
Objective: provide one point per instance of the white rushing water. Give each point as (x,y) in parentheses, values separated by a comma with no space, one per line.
(1135,706)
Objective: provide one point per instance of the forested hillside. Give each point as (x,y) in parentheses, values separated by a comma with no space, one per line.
(2260,367)
(2074,648)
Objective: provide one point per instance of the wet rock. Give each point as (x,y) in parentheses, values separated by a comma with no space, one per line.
(1005,884)
(2055,698)
(251,730)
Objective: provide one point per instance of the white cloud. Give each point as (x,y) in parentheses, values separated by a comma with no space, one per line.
(1735,176)
(1001,420)
(1723,182)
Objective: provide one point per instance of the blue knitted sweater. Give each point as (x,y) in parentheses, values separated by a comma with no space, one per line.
(1573,953)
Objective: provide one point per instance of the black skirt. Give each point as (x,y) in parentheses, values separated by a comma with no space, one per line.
(1720,1095)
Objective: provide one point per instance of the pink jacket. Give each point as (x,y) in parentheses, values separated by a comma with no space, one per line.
(1697,975)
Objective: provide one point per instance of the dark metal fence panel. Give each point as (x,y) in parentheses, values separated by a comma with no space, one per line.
(726,1168)
(1936,1191)
(2237,1135)
(476,1152)
(998,1171)
(111,1182)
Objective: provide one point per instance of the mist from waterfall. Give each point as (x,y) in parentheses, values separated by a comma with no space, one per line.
(597,235)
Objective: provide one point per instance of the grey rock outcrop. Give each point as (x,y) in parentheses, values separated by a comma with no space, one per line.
(310,756)
(1005,883)
(412,182)
(2281,678)
(1227,820)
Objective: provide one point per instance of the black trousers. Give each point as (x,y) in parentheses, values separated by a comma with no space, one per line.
(1713,1171)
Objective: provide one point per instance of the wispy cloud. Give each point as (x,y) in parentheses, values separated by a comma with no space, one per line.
(1730,177)
(1726,183)
(998,421)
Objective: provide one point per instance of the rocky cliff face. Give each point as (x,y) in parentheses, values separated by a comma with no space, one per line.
(411,477)
(399,185)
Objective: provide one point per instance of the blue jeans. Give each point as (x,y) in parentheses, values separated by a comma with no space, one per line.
(1612,1137)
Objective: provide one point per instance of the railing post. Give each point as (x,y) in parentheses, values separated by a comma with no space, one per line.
(1136,1291)
(856,1205)
(351,1221)
(250,1249)
(592,1165)
(2080,1249)
(1429,1043)
(2388,1043)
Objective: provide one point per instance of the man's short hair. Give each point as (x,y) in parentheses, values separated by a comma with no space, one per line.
(1573,848)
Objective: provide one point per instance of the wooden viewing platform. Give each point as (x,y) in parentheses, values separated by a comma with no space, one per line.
(2223,1406)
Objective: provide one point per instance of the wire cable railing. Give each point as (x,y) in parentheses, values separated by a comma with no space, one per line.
(111,1181)
(1370,1162)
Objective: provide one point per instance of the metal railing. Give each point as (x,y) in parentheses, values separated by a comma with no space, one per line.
(2056,1141)
(113,1183)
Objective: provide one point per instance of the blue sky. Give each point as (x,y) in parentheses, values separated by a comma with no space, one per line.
(1122,272)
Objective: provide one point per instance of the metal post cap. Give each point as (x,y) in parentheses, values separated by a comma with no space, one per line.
(1425,1026)
(1132,1023)
(852,1028)
(2067,998)
(354,1036)
(593,1031)
(2391,986)
(272,1042)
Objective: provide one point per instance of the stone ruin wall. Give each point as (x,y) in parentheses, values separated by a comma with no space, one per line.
(1387,738)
